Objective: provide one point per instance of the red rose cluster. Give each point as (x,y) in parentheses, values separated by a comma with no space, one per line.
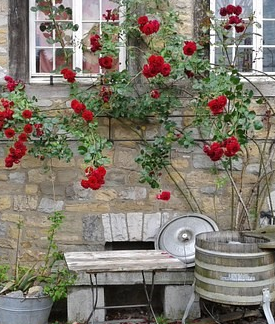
(189,48)
(19,149)
(111,15)
(105,93)
(217,105)
(7,113)
(95,44)
(228,147)
(106,62)
(16,153)
(95,178)
(148,27)
(68,74)
(80,108)
(156,64)
(164,195)
(11,83)
(233,13)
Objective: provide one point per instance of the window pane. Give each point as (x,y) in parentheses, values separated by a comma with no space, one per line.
(223,57)
(90,62)
(244,59)
(44,61)
(91,10)
(269,59)
(269,9)
(269,32)
(247,6)
(41,37)
(40,15)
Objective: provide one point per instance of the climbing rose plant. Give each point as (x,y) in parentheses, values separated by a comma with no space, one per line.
(221,104)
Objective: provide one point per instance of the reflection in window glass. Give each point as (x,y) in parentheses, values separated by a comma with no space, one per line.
(44,60)
(269,60)
(244,59)
(91,10)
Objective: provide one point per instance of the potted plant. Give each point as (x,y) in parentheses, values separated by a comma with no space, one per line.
(27,293)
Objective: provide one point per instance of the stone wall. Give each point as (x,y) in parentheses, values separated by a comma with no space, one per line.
(26,191)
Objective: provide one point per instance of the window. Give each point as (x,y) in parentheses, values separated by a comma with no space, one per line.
(256,52)
(47,57)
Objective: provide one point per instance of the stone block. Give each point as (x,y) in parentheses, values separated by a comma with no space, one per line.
(119,227)
(80,304)
(5,202)
(49,205)
(134,222)
(176,299)
(152,223)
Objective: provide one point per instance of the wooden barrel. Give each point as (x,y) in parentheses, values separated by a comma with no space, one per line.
(231,269)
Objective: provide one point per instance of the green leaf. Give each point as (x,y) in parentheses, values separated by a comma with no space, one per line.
(82,150)
(258,125)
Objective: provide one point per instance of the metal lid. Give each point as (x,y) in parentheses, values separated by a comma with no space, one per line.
(177,236)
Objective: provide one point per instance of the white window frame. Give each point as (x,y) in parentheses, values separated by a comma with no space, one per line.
(77,56)
(257,56)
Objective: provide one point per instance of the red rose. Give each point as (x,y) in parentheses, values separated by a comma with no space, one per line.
(93,182)
(106,62)
(85,183)
(164,195)
(147,29)
(150,27)
(189,48)
(101,170)
(166,69)
(8,113)
(156,25)
(234,20)
(142,20)
(214,151)
(9,161)
(222,100)
(95,44)
(9,132)
(156,60)
(148,71)
(155,94)
(238,10)
(223,11)
(217,105)
(68,74)
(230,9)
(77,106)
(227,26)
(240,28)
(23,137)
(27,113)
(28,128)
(231,145)
(88,115)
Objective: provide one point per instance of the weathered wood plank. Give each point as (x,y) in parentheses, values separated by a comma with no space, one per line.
(122,260)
